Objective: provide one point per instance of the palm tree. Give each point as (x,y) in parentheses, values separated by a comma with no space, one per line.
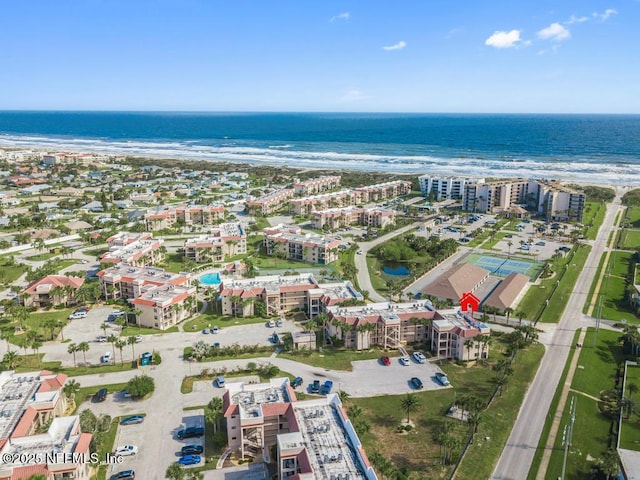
(633,389)
(84,348)
(131,340)
(175,472)
(73,348)
(104,327)
(409,403)
(193,475)
(35,345)
(120,345)
(71,388)
(509,244)
(112,339)
(11,360)
(508,311)
(344,396)
(215,412)
(468,344)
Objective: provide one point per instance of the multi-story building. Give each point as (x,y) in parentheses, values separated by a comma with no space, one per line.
(188,216)
(313,438)
(225,240)
(127,282)
(390,325)
(334,218)
(124,248)
(164,306)
(317,185)
(552,200)
(282,294)
(345,198)
(444,188)
(122,239)
(270,203)
(308,247)
(51,291)
(452,329)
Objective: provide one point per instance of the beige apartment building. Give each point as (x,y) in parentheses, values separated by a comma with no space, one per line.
(188,216)
(128,282)
(288,241)
(164,306)
(270,203)
(136,250)
(316,185)
(335,218)
(452,329)
(225,240)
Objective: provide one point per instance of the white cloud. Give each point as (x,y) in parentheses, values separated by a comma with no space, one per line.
(398,46)
(604,16)
(555,31)
(504,39)
(341,16)
(353,96)
(573,19)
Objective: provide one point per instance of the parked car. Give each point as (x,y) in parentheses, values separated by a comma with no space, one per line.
(315,387)
(77,315)
(125,393)
(192,450)
(404,361)
(106,358)
(386,360)
(540,244)
(271,324)
(189,460)
(101,339)
(442,378)
(125,475)
(215,330)
(138,338)
(205,331)
(132,420)
(279,322)
(126,450)
(82,309)
(416,383)
(190,432)
(326,387)
(220,381)
(100,396)
(419,357)
(296,382)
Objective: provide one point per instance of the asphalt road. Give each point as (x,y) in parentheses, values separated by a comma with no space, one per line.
(516,458)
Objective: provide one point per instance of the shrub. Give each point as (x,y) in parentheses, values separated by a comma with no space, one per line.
(141,385)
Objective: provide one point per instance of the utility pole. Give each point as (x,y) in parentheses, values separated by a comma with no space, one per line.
(567,435)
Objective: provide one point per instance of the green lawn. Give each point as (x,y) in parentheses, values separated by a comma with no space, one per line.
(335,359)
(264,262)
(375,274)
(208,320)
(9,271)
(136,330)
(632,217)
(107,446)
(29,363)
(594,217)
(173,262)
(629,239)
(34,322)
(537,459)
(614,304)
(488,245)
(41,257)
(630,431)
(85,392)
(592,288)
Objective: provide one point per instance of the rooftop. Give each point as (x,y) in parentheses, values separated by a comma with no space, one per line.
(271,283)
(388,312)
(141,275)
(131,251)
(164,295)
(250,398)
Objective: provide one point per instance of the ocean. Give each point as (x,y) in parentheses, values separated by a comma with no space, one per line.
(580,148)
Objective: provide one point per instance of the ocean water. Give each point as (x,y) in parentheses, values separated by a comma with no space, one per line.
(585,148)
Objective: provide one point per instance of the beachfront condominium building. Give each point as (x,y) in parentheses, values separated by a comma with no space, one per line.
(282,294)
(550,199)
(335,218)
(51,291)
(164,306)
(225,240)
(308,247)
(389,325)
(137,250)
(456,334)
(187,216)
(444,188)
(313,438)
(269,203)
(126,282)
(344,198)
(316,185)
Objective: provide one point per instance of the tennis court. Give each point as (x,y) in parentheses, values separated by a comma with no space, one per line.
(503,266)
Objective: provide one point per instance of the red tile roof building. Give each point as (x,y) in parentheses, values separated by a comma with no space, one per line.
(334,218)
(317,185)
(308,247)
(225,240)
(270,203)
(51,290)
(192,215)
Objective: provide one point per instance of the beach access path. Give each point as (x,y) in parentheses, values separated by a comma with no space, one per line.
(518,453)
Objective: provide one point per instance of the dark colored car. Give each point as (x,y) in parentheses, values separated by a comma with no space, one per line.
(190,432)
(125,475)
(189,460)
(296,382)
(315,387)
(386,360)
(132,420)
(326,387)
(100,396)
(192,450)
(416,383)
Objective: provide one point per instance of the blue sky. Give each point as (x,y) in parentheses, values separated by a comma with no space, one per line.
(311,55)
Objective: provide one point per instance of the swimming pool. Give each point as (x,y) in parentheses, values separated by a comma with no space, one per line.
(210,279)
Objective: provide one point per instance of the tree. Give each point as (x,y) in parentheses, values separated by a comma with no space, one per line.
(104,327)
(141,385)
(84,348)
(131,340)
(409,403)
(468,344)
(610,463)
(214,412)
(508,311)
(71,388)
(175,472)
(112,339)
(72,349)
(344,396)
(38,476)
(120,344)
(194,475)
(633,389)
(35,346)
(11,360)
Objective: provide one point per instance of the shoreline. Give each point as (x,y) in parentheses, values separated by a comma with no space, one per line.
(245,164)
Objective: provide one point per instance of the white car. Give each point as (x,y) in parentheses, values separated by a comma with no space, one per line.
(271,324)
(77,315)
(106,358)
(126,450)
(419,357)
(404,361)
(138,338)
(101,339)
